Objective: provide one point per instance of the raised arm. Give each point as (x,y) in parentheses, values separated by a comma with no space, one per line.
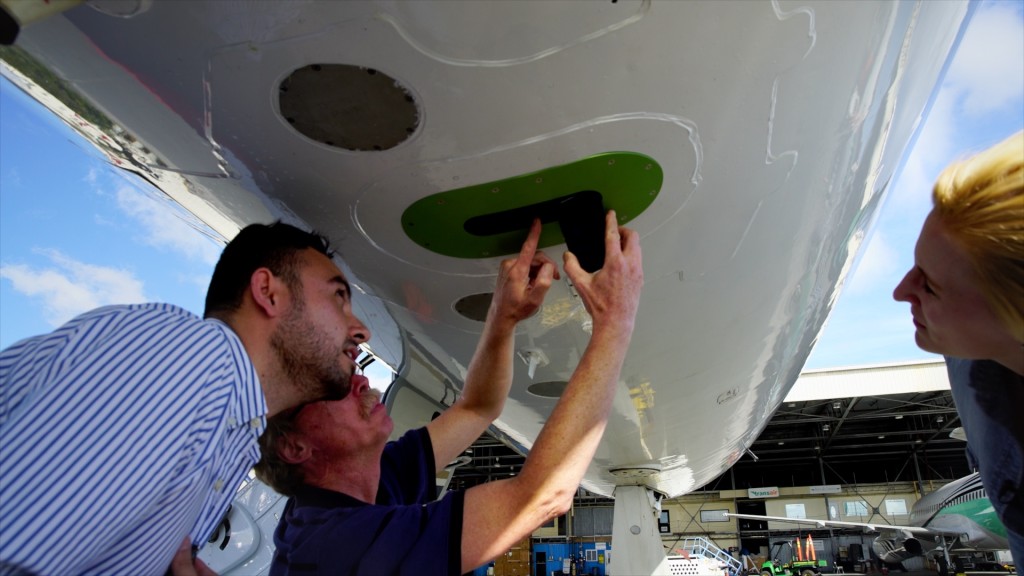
(522,283)
(499,514)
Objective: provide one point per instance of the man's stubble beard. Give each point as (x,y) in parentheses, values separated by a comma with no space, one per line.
(307,358)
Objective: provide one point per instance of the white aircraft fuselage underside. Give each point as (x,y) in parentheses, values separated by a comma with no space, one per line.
(778,126)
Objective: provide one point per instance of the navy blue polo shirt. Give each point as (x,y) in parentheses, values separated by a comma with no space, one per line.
(405,532)
(988,399)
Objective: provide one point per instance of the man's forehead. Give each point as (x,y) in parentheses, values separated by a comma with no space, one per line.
(322,265)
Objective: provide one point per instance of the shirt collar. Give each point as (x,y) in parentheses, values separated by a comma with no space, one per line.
(316,497)
(249,405)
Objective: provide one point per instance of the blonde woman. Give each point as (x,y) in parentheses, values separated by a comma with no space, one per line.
(966,295)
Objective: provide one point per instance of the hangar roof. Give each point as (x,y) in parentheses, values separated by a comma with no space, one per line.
(862,424)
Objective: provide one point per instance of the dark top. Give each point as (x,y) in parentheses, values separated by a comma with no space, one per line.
(406,531)
(989,400)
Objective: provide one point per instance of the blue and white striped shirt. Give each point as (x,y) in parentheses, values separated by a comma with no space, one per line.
(121,432)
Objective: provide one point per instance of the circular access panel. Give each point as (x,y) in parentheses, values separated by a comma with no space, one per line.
(350,107)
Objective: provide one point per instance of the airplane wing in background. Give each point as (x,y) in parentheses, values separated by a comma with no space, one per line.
(965,523)
(866,526)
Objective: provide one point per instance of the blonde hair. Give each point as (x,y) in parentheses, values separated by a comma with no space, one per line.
(980,202)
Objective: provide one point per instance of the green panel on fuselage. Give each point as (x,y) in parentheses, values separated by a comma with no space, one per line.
(627,181)
(979,511)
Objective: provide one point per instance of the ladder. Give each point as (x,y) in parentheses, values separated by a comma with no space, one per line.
(701,546)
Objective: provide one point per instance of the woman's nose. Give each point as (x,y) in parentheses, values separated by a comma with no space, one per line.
(904,291)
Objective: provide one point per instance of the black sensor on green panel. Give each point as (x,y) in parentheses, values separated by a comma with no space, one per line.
(492,219)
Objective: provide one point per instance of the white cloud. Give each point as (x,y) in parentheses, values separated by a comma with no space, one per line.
(875,336)
(937,140)
(983,87)
(988,72)
(911,193)
(877,267)
(985,77)
(92,176)
(163,222)
(164,228)
(198,281)
(70,287)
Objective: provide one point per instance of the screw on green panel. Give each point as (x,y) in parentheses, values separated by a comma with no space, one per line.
(492,219)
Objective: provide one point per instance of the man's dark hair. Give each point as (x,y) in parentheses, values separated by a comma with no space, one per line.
(283,477)
(274,246)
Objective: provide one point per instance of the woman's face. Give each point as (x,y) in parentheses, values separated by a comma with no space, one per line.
(950,312)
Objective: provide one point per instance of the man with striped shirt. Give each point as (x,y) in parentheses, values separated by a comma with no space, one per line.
(127,430)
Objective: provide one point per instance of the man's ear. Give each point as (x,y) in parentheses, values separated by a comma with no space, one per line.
(267,291)
(294,449)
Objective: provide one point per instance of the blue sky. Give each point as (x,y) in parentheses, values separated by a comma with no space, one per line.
(981,102)
(76,234)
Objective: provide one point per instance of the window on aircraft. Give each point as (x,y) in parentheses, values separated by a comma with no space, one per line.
(858,508)
(896,507)
(795,511)
(381,375)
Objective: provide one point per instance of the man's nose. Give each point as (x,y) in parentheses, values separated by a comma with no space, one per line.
(359,385)
(358,331)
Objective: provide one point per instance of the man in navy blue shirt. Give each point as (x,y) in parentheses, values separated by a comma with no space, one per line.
(361,505)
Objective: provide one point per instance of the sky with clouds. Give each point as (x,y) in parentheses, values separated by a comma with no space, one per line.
(981,102)
(75,234)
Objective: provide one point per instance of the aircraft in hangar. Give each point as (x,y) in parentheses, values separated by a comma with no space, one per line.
(957,516)
(749,143)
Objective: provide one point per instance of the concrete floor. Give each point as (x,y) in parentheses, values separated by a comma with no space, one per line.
(924,572)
